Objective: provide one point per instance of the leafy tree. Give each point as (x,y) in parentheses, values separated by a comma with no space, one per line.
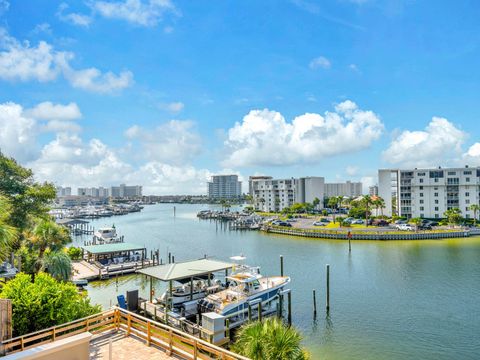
(316,202)
(75,253)
(366,202)
(8,234)
(454,216)
(28,199)
(57,264)
(44,303)
(475,208)
(269,340)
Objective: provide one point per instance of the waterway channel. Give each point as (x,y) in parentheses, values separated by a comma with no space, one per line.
(389,300)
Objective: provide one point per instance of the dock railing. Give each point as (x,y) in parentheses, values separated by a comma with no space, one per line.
(171,340)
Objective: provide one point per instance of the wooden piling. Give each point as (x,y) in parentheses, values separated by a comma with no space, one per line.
(281,265)
(169,258)
(260,311)
(289,308)
(173,259)
(328,287)
(174,211)
(314,303)
(249,312)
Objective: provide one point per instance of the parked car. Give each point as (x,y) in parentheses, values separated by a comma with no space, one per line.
(284,223)
(425,227)
(358,221)
(319,223)
(400,221)
(405,227)
(291,220)
(379,222)
(325,220)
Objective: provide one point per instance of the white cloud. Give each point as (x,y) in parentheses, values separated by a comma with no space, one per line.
(352,170)
(173,107)
(320,62)
(20,61)
(138,12)
(368,181)
(472,156)
(439,144)
(173,142)
(17,132)
(42,28)
(73,18)
(168,29)
(49,111)
(264,137)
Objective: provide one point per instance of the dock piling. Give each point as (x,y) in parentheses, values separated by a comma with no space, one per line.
(260,311)
(281,265)
(328,287)
(314,304)
(289,308)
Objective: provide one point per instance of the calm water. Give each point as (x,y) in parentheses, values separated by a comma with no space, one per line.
(389,300)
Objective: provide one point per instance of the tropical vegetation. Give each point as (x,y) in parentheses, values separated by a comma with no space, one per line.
(44,302)
(270,339)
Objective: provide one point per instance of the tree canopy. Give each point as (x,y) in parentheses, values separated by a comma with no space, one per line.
(44,302)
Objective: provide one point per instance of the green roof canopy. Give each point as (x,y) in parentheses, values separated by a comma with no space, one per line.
(184,270)
(111,248)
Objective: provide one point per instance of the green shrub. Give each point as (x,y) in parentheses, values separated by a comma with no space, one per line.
(43,303)
(74,253)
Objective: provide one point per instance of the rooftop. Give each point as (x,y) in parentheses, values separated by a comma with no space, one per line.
(184,270)
(111,248)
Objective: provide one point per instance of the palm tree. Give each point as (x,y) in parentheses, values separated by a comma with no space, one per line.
(48,235)
(269,340)
(453,215)
(381,204)
(366,202)
(8,234)
(475,208)
(57,264)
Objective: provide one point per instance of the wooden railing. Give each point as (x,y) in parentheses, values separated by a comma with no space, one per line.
(173,341)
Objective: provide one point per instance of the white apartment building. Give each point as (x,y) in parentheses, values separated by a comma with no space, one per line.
(224,187)
(63,191)
(349,189)
(276,194)
(373,190)
(428,193)
(114,191)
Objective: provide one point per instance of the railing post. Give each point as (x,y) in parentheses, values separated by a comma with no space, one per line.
(53,334)
(148,333)
(195,349)
(21,343)
(86,326)
(129,324)
(117,318)
(170,342)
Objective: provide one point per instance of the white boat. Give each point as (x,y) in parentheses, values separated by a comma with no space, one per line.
(182,293)
(106,235)
(246,285)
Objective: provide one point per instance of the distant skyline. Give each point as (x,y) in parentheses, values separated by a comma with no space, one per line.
(166,93)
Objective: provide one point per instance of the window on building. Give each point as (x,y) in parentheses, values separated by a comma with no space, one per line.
(467,216)
(467,179)
(436,216)
(452,173)
(435,188)
(421,201)
(467,194)
(467,201)
(421,194)
(421,208)
(420,180)
(436,201)
(436,179)
(422,215)
(421,174)
(436,208)
(469,172)
(435,194)
(421,187)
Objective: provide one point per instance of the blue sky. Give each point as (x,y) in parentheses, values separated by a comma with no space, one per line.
(165,93)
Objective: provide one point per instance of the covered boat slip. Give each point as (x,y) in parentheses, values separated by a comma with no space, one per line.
(115,258)
(185,272)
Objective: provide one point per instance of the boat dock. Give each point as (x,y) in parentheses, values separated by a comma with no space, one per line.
(107,260)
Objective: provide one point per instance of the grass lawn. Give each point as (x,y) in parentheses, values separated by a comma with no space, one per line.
(333,225)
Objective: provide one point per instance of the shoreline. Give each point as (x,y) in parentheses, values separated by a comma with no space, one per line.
(365,235)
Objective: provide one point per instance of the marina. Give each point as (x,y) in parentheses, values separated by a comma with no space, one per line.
(377,291)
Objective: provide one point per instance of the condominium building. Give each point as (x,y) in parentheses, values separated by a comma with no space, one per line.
(122,191)
(428,193)
(373,190)
(224,187)
(348,188)
(276,194)
(63,191)
(251,179)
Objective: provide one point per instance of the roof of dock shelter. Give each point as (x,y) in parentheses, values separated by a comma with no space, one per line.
(71,221)
(187,269)
(111,248)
